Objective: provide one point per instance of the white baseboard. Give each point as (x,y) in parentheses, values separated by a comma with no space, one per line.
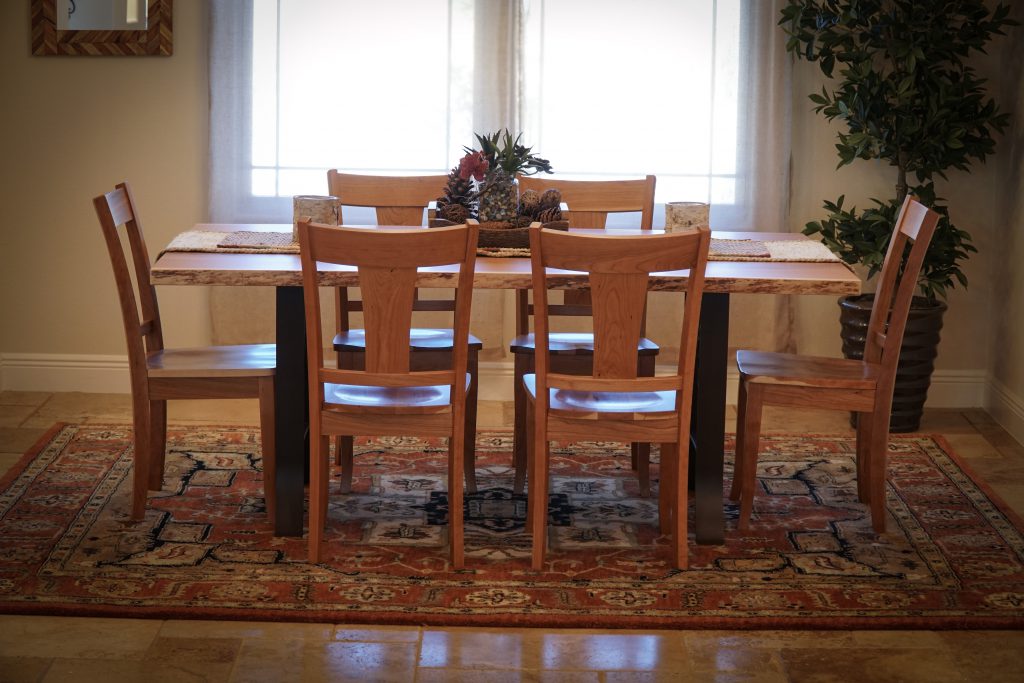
(109,374)
(64,372)
(1006,408)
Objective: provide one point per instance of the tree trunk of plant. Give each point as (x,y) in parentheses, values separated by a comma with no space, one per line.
(901,179)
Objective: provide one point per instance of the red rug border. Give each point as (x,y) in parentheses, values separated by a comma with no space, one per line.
(613,623)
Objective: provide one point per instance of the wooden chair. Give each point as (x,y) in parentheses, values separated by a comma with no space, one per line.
(863,386)
(398,201)
(159,374)
(613,403)
(388,397)
(590,202)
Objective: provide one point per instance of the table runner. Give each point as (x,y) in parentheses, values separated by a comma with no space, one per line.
(243,242)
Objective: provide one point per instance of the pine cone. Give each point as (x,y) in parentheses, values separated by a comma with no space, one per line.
(529,203)
(456,213)
(550,215)
(458,192)
(551,199)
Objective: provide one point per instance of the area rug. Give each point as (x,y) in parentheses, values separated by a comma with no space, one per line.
(953,556)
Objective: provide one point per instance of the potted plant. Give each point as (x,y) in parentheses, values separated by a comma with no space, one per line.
(506,156)
(901,87)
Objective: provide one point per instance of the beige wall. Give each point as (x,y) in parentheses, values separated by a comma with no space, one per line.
(72,128)
(1006,326)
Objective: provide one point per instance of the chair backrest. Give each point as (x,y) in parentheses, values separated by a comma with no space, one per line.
(139,310)
(915,225)
(589,202)
(619,268)
(387,261)
(398,200)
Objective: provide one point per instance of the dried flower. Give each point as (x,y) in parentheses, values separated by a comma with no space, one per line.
(473,164)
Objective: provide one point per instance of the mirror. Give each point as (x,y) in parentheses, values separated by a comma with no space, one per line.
(101,27)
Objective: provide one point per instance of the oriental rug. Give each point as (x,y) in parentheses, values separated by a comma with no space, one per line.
(953,556)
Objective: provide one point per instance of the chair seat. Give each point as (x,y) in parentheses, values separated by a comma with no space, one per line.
(388,400)
(243,360)
(420,339)
(635,405)
(573,344)
(765,367)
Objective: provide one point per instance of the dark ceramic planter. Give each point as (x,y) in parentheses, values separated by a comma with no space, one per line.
(917,354)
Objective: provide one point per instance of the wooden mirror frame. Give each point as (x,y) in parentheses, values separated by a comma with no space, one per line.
(47,39)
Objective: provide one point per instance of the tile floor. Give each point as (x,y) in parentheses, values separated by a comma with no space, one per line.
(83,650)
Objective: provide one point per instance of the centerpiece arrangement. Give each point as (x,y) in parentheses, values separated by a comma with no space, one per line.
(483,187)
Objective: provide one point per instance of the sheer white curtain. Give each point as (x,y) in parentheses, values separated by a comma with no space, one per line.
(693,91)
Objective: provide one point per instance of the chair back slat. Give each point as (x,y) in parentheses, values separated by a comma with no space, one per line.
(915,226)
(397,200)
(387,263)
(410,192)
(140,312)
(619,267)
(590,202)
(388,295)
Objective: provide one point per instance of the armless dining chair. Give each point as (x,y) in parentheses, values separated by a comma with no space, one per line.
(589,202)
(388,397)
(159,374)
(398,201)
(612,403)
(863,386)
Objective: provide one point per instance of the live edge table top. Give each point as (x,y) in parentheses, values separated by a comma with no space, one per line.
(283,270)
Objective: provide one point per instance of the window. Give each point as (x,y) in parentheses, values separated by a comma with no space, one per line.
(602,88)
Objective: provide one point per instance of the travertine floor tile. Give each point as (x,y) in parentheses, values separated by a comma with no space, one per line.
(24,398)
(186,628)
(474,649)
(281,659)
(870,665)
(76,637)
(7,461)
(23,669)
(19,440)
(945,420)
(612,651)
(987,655)
(772,640)
(493,676)
(76,407)
(121,671)
(195,658)
(379,634)
(15,415)
(972,446)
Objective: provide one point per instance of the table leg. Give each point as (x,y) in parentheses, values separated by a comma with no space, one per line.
(291,411)
(708,423)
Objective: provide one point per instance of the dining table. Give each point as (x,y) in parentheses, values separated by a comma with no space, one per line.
(722,279)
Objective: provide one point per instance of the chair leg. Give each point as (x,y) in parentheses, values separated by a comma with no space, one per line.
(666,492)
(539,491)
(864,430)
(456,453)
(344,449)
(157,443)
(680,486)
(266,391)
(642,458)
(141,464)
(737,461)
(318,471)
(640,453)
(751,435)
(519,437)
(469,440)
(877,467)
